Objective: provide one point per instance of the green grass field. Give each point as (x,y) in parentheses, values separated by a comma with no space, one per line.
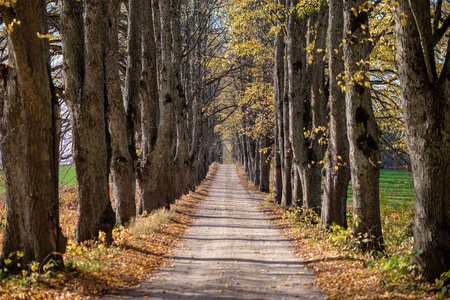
(67,176)
(396,188)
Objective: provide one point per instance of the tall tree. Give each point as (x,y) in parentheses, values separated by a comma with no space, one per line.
(29,134)
(84,33)
(336,169)
(163,160)
(425,95)
(286,170)
(182,162)
(296,88)
(149,108)
(122,175)
(363,132)
(278,153)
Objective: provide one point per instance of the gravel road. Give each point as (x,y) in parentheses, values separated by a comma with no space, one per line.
(231,251)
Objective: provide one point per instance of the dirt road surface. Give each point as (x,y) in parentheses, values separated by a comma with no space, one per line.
(230,252)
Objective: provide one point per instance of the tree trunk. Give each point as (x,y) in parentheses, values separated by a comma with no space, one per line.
(256,163)
(296,66)
(182,163)
(279,128)
(312,192)
(149,109)
(264,163)
(297,194)
(122,176)
(427,118)
(28,124)
(163,159)
(363,132)
(337,171)
(84,50)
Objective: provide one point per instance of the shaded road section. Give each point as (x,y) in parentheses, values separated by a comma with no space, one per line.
(231,251)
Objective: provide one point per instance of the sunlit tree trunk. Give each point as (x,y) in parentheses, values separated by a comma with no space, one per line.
(122,176)
(182,162)
(149,109)
(163,158)
(84,33)
(296,66)
(29,135)
(363,132)
(264,185)
(425,100)
(337,171)
(278,110)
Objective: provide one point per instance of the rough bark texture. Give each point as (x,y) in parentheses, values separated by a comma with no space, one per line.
(278,107)
(286,197)
(317,120)
(163,159)
(85,41)
(427,117)
(122,177)
(149,108)
(29,140)
(363,132)
(336,180)
(296,81)
(264,185)
(182,162)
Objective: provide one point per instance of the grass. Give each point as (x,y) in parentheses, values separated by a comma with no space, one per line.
(67,176)
(147,224)
(396,188)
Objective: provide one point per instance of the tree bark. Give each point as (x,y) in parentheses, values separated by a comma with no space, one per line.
(427,117)
(337,168)
(163,159)
(85,41)
(363,132)
(264,163)
(149,109)
(296,79)
(122,175)
(28,124)
(278,156)
(182,163)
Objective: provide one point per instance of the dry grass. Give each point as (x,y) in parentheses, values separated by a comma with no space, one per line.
(147,224)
